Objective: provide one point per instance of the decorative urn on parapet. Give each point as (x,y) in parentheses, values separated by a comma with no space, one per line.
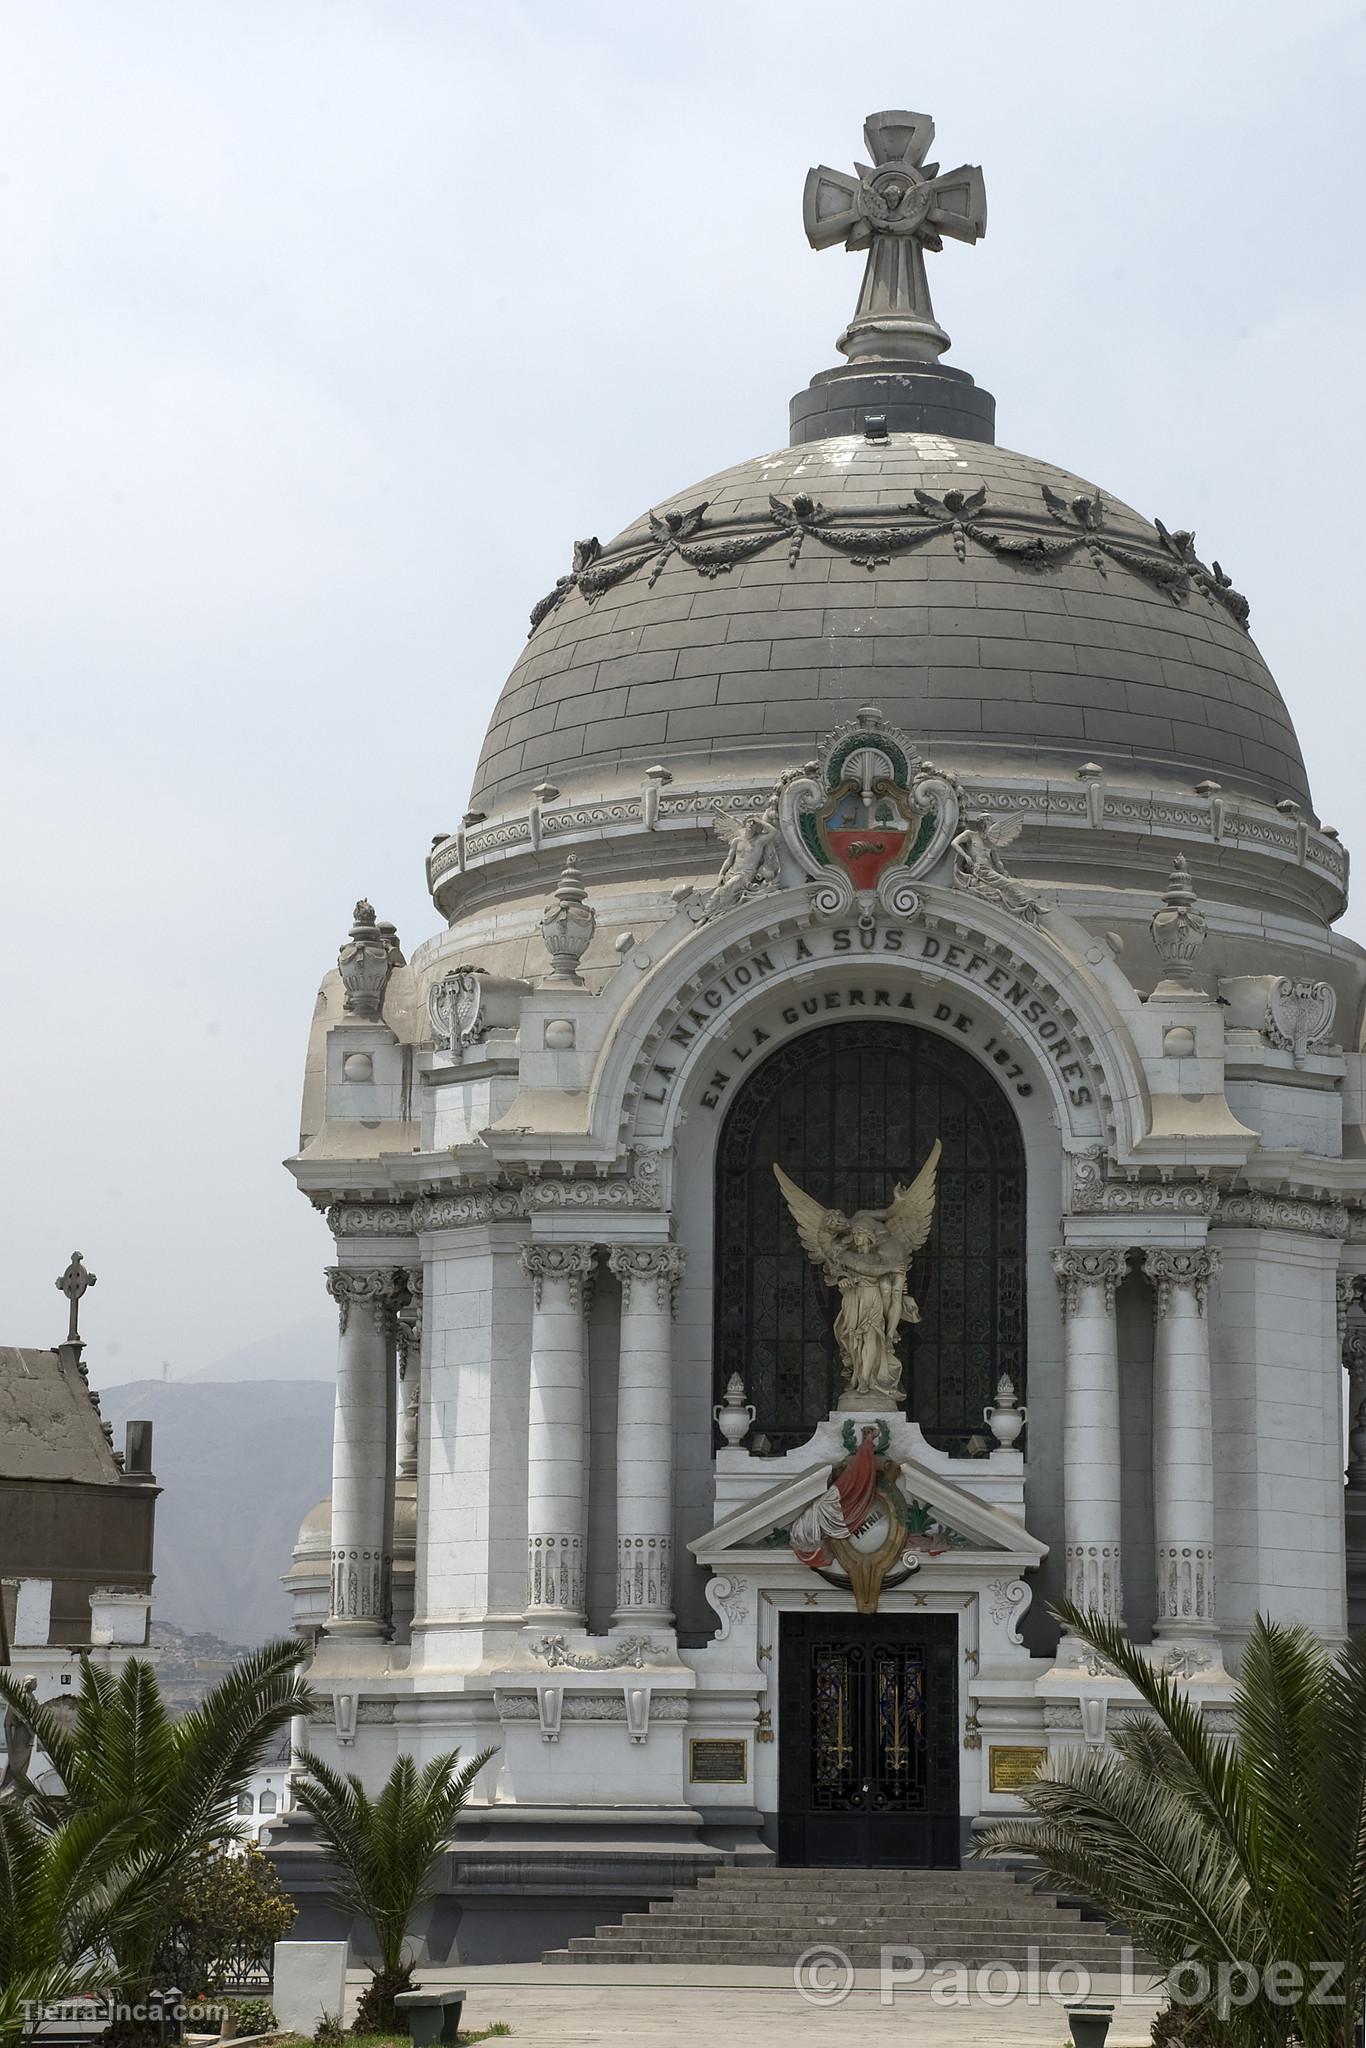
(735,1415)
(1178,932)
(567,928)
(365,963)
(1005,1418)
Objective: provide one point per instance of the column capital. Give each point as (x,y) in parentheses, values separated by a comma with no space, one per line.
(661,1264)
(572,1263)
(1190,1272)
(1078,1266)
(1351,1292)
(377,1288)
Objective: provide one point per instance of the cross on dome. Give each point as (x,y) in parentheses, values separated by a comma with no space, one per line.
(897,207)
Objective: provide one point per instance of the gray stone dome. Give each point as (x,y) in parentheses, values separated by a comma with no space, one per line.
(1012,614)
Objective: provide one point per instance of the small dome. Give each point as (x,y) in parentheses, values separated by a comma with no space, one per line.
(315,1533)
(1000,610)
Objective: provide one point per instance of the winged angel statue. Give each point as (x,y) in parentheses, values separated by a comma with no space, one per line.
(866,1256)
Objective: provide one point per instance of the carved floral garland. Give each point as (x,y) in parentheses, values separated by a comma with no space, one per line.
(963,515)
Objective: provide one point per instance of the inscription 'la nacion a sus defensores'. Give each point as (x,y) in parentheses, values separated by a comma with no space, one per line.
(1031,1009)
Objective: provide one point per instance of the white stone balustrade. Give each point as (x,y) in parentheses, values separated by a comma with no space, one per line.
(649,1276)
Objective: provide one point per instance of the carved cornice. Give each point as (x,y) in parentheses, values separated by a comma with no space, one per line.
(571,1263)
(1076,1267)
(638,1188)
(1092,1194)
(376,1288)
(1275,1212)
(641,1264)
(456,1212)
(370,1219)
(1174,1273)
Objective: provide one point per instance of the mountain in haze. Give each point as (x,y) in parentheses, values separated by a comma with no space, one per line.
(240,1465)
(305,1351)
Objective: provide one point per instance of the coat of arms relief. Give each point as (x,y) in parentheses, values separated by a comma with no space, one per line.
(863,822)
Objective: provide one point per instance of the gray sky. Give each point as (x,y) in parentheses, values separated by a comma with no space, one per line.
(328,327)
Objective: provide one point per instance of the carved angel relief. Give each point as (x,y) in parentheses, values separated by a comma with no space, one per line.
(977,864)
(866,1256)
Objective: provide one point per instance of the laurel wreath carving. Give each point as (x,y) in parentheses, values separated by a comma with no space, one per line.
(1173,566)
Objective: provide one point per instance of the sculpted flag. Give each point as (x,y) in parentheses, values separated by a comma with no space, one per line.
(842,1510)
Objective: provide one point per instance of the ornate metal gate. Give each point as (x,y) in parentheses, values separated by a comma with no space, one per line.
(868,1732)
(848,1110)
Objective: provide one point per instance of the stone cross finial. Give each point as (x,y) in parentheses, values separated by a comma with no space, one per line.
(73,1283)
(896,208)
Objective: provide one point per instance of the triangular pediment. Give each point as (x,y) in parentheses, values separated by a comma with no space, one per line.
(972,1525)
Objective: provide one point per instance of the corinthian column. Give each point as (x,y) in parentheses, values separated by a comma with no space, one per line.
(1183,1444)
(363,1449)
(649,1276)
(557,1433)
(1090,1435)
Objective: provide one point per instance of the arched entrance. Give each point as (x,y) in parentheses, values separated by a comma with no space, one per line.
(848,1110)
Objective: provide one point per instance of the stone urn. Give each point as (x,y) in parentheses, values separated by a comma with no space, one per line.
(1090,2024)
(1005,1418)
(365,963)
(567,929)
(735,1414)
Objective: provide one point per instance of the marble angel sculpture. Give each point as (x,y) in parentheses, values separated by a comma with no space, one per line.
(866,1256)
(977,864)
(751,861)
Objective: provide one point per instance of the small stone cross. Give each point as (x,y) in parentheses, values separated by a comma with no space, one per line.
(896,208)
(73,1284)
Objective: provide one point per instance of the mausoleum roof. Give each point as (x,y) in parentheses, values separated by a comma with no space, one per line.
(998,608)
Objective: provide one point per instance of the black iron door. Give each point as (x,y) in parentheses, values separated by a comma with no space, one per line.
(868,1740)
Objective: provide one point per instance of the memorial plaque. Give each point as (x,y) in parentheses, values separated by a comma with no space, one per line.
(1012,1768)
(714,1761)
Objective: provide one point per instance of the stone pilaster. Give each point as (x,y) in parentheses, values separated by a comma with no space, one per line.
(409,1334)
(557,1433)
(1183,1444)
(363,1449)
(649,1276)
(1091,1444)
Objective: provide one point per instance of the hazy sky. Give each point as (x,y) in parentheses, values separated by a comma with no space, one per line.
(328,327)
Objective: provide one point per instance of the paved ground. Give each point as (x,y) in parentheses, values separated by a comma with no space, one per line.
(649,2007)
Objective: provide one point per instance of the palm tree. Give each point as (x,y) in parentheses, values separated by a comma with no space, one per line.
(142,1795)
(386,1851)
(1232,1858)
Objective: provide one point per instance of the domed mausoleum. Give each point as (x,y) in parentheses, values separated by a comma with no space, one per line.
(873,1146)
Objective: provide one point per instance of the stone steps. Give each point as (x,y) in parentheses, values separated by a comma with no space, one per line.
(738,1916)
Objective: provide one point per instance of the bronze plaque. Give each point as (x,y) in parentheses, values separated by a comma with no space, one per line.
(1012,1768)
(718,1761)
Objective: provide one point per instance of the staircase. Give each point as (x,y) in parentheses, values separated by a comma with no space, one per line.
(757,1917)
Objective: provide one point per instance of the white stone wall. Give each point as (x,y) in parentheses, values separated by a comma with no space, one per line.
(1278,1432)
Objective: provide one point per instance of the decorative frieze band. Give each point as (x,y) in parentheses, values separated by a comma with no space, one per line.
(376,1288)
(1094,1578)
(1276,1212)
(371,1219)
(555,1574)
(571,1263)
(1181,1273)
(645,1264)
(645,1574)
(1077,1267)
(360,1585)
(1185,1583)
